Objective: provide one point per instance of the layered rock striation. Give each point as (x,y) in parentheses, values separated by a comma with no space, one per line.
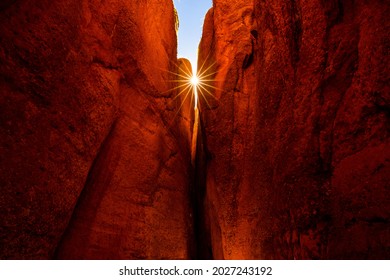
(94,159)
(297,130)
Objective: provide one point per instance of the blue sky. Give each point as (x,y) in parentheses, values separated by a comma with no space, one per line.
(191,18)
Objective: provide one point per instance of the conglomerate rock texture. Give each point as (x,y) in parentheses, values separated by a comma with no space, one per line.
(93,155)
(297,133)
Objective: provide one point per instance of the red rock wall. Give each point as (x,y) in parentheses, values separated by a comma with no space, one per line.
(297,135)
(88,123)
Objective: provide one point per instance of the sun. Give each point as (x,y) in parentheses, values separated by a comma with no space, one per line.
(194,80)
(194,86)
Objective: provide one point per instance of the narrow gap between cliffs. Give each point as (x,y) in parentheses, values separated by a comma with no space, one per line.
(202,238)
(190,16)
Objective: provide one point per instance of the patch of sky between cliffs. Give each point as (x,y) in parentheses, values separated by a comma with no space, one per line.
(191,17)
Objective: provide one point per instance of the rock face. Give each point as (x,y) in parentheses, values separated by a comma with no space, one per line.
(89,151)
(297,133)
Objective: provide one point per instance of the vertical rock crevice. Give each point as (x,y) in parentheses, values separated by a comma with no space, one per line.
(202,233)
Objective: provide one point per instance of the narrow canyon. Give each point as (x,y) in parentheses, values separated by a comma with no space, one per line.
(287,155)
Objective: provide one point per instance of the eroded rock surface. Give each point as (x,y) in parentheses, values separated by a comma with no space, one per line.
(86,109)
(297,134)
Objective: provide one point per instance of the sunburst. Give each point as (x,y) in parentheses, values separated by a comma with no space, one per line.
(194,86)
(194,80)
(197,85)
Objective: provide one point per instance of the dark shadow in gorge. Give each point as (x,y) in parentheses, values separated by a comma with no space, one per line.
(198,195)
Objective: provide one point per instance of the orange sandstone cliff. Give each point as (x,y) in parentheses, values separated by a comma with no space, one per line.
(297,133)
(92,161)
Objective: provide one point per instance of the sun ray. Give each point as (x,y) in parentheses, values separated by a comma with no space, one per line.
(192,97)
(185,77)
(202,73)
(208,75)
(175,88)
(187,88)
(207,85)
(199,86)
(203,64)
(181,93)
(181,81)
(205,99)
(189,71)
(208,92)
(181,105)
(211,80)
